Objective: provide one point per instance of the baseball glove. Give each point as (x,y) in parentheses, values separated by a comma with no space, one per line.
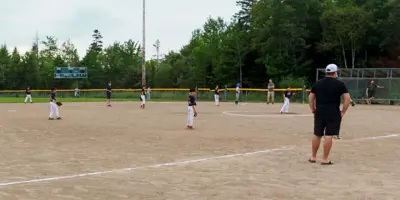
(59,103)
(195,114)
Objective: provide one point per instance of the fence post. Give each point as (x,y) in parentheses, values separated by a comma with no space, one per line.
(197,90)
(226,93)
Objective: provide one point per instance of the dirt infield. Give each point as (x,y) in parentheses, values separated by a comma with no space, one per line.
(235,152)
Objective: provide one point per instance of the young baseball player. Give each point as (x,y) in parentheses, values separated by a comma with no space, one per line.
(53,105)
(287,95)
(192,113)
(148,92)
(28,95)
(76,92)
(143,98)
(216,95)
(237,93)
(108,93)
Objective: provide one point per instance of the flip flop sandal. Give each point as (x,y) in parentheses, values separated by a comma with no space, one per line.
(312,161)
(327,163)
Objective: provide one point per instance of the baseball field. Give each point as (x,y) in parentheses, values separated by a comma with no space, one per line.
(249,151)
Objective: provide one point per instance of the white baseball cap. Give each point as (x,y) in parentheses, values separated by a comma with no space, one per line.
(331,68)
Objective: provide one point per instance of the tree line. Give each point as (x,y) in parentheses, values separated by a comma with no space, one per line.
(283,40)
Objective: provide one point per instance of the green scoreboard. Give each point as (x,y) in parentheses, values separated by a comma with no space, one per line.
(70,72)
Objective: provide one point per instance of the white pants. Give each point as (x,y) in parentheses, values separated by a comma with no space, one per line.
(148,95)
(53,109)
(143,99)
(216,97)
(190,116)
(285,107)
(237,95)
(28,96)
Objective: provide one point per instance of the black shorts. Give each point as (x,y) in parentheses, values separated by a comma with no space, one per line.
(108,95)
(327,125)
(371,94)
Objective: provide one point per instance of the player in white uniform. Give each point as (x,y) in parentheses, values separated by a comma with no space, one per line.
(28,95)
(143,98)
(237,93)
(148,92)
(287,95)
(53,105)
(216,95)
(192,113)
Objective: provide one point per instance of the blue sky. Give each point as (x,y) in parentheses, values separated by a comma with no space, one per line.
(170,21)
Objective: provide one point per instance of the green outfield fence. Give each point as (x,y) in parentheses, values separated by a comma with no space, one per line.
(358,79)
(167,94)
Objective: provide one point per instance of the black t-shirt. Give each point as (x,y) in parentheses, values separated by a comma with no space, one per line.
(109,89)
(328,92)
(191,101)
(216,91)
(288,93)
(143,92)
(372,87)
(52,96)
(28,91)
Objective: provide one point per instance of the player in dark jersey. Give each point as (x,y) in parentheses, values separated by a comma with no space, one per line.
(191,108)
(53,105)
(216,95)
(143,98)
(28,95)
(287,95)
(108,93)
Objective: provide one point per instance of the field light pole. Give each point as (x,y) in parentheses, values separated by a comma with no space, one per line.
(144,45)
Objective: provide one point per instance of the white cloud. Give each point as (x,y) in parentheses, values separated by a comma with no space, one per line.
(170,21)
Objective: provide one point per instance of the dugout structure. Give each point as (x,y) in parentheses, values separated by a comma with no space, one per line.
(358,79)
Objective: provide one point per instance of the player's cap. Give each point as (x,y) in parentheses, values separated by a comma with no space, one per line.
(237,84)
(191,90)
(331,68)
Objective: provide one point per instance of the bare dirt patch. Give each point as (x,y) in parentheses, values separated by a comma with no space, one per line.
(58,156)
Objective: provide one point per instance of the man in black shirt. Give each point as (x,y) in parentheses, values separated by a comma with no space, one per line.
(324,101)
(108,93)
(370,92)
(28,95)
(216,95)
(53,105)
(191,108)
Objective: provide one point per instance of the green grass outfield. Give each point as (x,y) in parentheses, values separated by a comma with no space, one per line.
(97,99)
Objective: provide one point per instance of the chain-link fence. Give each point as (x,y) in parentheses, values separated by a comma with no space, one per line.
(358,80)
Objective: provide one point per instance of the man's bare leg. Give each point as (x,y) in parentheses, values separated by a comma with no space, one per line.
(327,148)
(316,141)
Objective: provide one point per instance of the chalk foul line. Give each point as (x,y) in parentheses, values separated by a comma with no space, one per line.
(237,113)
(283,148)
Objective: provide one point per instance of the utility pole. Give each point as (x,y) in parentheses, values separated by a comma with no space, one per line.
(157,46)
(37,43)
(144,45)
(37,47)
(239,56)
